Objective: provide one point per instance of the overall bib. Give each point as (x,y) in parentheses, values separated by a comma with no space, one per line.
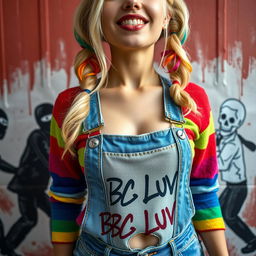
(138,184)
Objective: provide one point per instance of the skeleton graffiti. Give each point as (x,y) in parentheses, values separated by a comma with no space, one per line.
(230,151)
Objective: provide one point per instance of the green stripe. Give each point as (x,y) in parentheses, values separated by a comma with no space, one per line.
(192,146)
(64,226)
(209,213)
(202,142)
(190,125)
(55,132)
(81,156)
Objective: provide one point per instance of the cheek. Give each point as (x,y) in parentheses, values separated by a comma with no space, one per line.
(156,12)
(108,16)
(104,15)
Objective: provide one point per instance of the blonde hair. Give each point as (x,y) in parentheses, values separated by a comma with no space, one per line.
(178,30)
(88,26)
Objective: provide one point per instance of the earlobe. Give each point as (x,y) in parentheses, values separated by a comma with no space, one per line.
(166,21)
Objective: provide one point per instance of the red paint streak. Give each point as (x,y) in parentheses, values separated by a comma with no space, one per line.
(236,22)
(43,30)
(44,33)
(249,210)
(3,73)
(224,57)
(32,32)
(36,249)
(6,204)
(61,31)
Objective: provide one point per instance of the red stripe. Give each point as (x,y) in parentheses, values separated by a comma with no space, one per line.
(210,230)
(63,103)
(205,160)
(199,95)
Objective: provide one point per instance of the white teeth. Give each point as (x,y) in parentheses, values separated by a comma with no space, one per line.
(132,22)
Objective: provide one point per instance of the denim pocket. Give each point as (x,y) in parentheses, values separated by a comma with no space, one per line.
(192,248)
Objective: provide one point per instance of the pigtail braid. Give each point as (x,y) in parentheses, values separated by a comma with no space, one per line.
(88,63)
(81,104)
(179,66)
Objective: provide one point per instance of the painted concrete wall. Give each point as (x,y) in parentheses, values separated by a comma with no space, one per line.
(37,50)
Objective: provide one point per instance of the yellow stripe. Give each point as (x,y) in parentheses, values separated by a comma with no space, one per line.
(190,125)
(66,199)
(202,142)
(202,225)
(61,237)
(80,153)
(192,145)
(55,132)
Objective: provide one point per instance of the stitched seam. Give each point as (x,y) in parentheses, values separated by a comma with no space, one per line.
(190,241)
(100,167)
(86,173)
(140,153)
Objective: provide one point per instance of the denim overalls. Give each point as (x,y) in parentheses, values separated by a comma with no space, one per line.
(138,184)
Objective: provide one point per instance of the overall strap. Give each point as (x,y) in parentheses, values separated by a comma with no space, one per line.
(94,119)
(172,111)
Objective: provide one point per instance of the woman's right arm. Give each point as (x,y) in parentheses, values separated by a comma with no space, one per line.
(68,187)
(63,249)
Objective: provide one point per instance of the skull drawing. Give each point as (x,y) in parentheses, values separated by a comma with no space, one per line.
(232,116)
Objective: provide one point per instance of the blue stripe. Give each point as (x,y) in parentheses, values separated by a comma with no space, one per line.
(69,212)
(204,182)
(206,200)
(205,189)
(67,185)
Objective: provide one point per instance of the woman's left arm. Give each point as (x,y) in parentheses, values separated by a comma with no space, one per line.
(208,220)
(215,242)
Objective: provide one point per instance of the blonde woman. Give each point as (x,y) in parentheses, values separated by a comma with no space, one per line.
(137,150)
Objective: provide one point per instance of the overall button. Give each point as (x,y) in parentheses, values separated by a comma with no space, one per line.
(94,142)
(181,134)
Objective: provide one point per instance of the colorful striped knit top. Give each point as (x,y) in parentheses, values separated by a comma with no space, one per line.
(68,188)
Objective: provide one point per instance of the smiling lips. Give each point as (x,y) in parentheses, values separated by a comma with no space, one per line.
(132,22)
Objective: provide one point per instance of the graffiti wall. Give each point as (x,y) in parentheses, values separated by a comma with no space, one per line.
(36,55)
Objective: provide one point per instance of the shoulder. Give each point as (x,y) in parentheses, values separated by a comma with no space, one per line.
(199,95)
(67,96)
(63,102)
(36,137)
(35,133)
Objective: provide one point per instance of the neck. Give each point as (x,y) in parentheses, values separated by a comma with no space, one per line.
(132,69)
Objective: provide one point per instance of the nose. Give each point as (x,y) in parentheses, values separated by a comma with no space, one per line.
(132,5)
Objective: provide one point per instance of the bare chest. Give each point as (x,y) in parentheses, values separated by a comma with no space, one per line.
(133,114)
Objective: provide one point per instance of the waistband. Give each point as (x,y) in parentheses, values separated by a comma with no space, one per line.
(176,243)
(243,183)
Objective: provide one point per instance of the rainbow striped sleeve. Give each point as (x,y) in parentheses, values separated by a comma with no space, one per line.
(204,174)
(68,188)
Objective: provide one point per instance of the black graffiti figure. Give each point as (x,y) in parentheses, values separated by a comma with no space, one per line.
(230,148)
(4,166)
(31,180)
